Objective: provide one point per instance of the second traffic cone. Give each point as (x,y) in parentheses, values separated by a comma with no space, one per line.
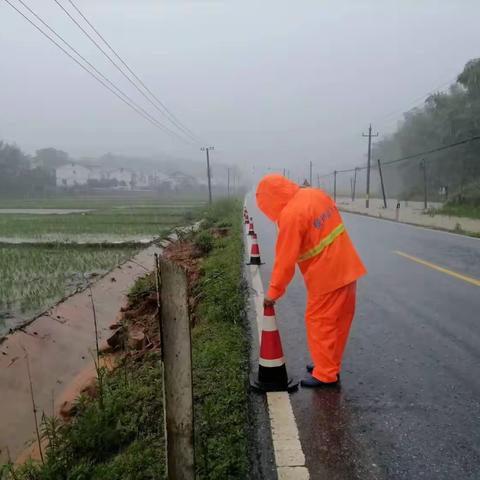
(272,372)
(251,230)
(254,252)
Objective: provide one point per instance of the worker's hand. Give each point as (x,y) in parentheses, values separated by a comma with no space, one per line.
(268,302)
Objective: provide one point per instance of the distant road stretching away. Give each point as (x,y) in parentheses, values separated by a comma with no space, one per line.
(409,405)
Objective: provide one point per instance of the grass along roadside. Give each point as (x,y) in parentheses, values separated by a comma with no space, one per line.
(122,436)
(220,355)
(460,210)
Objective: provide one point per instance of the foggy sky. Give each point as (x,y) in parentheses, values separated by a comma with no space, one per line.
(272,83)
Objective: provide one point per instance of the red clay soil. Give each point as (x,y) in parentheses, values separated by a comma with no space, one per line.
(189,256)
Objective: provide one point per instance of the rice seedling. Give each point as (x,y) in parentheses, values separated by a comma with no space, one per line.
(35,277)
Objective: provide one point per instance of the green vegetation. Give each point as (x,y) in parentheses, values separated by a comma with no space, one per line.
(111,218)
(220,355)
(73,247)
(118,438)
(34,277)
(106,200)
(445,118)
(103,224)
(204,241)
(460,210)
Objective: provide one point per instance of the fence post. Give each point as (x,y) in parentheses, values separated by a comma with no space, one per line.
(381,181)
(177,371)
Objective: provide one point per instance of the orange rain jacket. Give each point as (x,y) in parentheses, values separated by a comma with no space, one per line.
(310,233)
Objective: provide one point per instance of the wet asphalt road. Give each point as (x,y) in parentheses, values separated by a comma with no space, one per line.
(409,404)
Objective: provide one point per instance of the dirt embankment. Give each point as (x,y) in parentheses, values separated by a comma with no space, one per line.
(126,337)
(60,345)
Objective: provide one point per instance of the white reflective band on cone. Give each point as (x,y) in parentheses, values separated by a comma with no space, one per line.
(278,362)
(269,324)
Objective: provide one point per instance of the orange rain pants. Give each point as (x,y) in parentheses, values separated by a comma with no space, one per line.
(328,318)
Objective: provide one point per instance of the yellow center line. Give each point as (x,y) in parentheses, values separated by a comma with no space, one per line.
(465,278)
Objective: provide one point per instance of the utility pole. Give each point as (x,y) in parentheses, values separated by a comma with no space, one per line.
(283,172)
(423,166)
(335,185)
(311,179)
(318,180)
(207,149)
(381,181)
(228,181)
(369,135)
(354,184)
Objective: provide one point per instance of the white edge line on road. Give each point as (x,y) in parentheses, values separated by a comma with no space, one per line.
(411,225)
(289,456)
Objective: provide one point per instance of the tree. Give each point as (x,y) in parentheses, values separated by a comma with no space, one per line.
(16,174)
(445,117)
(50,158)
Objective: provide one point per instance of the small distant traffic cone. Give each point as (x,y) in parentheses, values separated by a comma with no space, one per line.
(245,218)
(254,252)
(251,230)
(272,372)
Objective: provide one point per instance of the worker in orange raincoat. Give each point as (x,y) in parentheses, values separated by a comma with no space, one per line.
(311,234)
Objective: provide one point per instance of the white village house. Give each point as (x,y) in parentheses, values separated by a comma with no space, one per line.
(71,175)
(123,176)
(75,174)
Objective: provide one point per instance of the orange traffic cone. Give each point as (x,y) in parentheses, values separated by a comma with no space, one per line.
(251,230)
(272,372)
(254,252)
(245,218)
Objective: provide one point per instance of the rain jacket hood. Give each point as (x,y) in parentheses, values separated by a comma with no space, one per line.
(273,194)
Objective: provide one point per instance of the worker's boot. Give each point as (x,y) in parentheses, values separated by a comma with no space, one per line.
(312,382)
(310,367)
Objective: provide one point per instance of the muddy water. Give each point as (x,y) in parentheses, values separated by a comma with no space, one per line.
(60,346)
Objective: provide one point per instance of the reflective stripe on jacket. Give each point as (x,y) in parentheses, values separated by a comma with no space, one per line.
(310,233)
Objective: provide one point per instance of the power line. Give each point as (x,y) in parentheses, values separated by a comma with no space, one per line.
(417,100)
(119,68)
(434,150)
(94,68)
(139,110)
(412,156)
(173,118)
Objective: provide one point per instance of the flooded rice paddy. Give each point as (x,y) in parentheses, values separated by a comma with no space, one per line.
(49,253)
